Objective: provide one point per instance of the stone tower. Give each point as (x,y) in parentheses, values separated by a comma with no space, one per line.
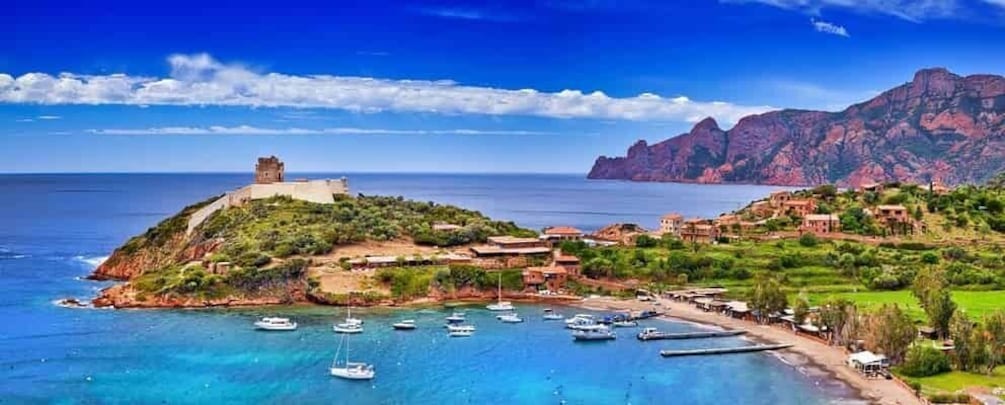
(269,170)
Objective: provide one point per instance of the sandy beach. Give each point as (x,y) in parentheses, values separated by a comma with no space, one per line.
(809,355)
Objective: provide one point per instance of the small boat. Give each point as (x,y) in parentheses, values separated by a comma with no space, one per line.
(408,324)
(594,334)
(550,315)
(590,326)
(651,334)
(351,325)
(348,328)
(461,328)
(648,314)
(275,324)
(625,324)
(578,318)
(583,324)
(500,305)
(350,370)
(456,317)
(510,318)
(461,333)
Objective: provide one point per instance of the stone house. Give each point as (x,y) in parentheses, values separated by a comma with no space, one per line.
(671,224)
(821,224)
(800,208)
(699,230)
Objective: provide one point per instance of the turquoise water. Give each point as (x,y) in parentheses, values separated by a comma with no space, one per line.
(60,226)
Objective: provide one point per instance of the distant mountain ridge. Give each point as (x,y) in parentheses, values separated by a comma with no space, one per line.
(938,127)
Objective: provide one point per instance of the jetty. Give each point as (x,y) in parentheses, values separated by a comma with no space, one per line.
(656,335)
(724,350)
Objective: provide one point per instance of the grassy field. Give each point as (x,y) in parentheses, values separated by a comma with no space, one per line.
(974,303)
(957,380)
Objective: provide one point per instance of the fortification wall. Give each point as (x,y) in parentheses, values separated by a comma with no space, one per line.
(316,191)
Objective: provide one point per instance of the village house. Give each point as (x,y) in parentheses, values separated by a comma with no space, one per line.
(870,187)
(568,262)
(937,188)
(551,278)
(670,224)
(800,208)
(512,246)
(560,233)
(762,209)
(896,218)
(821,224)
(777,198)
(697,230)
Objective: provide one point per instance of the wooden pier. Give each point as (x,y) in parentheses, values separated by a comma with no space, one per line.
(724,350)
(690,335)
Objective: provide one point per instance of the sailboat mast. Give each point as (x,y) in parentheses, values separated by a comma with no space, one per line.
(499,291)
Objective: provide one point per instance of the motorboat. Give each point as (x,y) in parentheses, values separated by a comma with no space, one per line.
(582,324)
(500,305)
(550,315)
(587,326)
(651,334)
(408,324)
(456,317)
(350,370)
(460,328)
(275,324)
(510,318)
(580,318)
(461,333)
(594,334)
(625,324)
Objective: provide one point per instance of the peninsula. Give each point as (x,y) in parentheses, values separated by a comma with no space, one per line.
(281,242)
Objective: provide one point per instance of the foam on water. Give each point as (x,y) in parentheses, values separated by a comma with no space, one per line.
(93,261)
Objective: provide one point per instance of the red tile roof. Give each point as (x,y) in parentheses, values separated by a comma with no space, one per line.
(562,230)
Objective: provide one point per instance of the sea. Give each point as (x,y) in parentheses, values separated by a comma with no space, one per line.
(55,228)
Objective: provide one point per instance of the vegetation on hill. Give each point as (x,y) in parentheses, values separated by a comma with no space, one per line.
(267,244)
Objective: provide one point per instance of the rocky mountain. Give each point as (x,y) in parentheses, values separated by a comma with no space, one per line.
(938,127)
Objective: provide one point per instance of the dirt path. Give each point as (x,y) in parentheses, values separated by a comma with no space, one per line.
(828,358)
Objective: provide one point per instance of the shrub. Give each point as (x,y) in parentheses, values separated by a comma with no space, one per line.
(925,361)
(646,241)
(808,240)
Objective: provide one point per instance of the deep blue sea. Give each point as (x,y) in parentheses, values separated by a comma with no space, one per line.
(55,228)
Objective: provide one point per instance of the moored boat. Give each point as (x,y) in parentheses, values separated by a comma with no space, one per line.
(578,318)
(625,324)
(275,324)
(461,333)
(456,317)
(350,370)
(500,305)
(510,318)
(460,328)
(407,324)
(550,315)
(602,333)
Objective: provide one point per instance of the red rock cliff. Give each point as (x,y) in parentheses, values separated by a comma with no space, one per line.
(938,126)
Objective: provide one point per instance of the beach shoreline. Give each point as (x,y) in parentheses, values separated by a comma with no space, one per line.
(813,358)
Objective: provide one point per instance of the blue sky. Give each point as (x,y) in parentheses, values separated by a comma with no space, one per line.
(436,86)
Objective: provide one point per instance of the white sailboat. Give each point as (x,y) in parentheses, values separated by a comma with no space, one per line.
(348,369)
(351,325)
(500,305)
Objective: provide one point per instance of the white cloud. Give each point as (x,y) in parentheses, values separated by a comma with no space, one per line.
(999,3)
(829,28)
(198,80)
(49,117)
(24,120)
(252,130)
(910,10)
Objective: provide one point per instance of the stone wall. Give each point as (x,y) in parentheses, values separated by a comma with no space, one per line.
(316,191)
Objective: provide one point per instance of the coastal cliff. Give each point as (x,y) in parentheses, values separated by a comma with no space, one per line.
(271,251)
(938,127)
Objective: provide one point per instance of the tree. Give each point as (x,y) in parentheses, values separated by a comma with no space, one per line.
(766,296)
(931,288)
(918,214)
(801,309)
(994,334)
(966,349)
(889,331)
(840,316)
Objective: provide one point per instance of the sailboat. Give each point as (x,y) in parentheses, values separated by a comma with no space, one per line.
(350,370)
(351,325)
(500,305)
